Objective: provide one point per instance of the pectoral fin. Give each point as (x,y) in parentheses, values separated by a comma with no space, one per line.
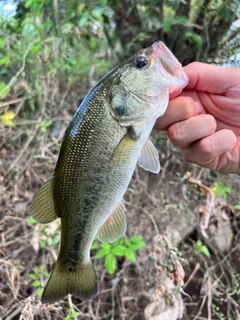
(115,226)
(149,158)
(123,151)
(42,207)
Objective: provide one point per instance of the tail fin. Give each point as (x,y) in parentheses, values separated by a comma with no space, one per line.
(81,284)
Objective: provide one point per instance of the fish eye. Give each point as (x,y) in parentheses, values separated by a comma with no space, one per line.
(140,62)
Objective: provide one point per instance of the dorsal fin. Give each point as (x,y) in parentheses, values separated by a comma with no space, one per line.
(42,206)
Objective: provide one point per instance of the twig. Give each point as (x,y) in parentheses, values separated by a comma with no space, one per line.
(5,244)
(21,69)
(26,313)
(4,104)
(90,308)
(147,213)
(71,304)
(15,312)
(201,307)
(209,303)
(114,286)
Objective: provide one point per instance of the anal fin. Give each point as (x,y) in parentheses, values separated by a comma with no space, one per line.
(115,226)
(42,206)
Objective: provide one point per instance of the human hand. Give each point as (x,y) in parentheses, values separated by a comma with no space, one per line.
(204,120)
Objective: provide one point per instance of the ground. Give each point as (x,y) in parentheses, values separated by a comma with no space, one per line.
(155,205)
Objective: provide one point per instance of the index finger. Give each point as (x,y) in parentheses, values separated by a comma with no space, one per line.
(210,78)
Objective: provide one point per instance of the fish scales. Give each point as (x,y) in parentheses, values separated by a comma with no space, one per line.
(108,134)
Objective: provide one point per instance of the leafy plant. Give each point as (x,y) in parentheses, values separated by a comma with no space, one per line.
(71,314)
(201,248)
(222,190)
(120,248)
(47,238)
(36,278)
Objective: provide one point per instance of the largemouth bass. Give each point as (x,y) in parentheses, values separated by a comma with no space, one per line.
(107,136)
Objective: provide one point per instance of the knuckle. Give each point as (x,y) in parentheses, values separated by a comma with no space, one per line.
(196,65)
(189,107)
(175,133)
(206,146)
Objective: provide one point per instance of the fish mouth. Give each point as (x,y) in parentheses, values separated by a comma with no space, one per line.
(174,94)
(152,100)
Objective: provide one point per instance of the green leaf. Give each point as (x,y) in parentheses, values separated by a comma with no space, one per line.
(31,220)
(205,251)
(36,48)
(81,7)
(94,245)
(135,239)
(193,38)
(126,242)
(36,283)
(136,246)
(167,24)
(110,263)
(97,12)
(118,241)
(200,248)
(46,124)
(130,255)
(83,20)
(42,243)
(119,251)
(40,292)
(103,251)
(226,14)
(4,60)
(28,3)
(4,90)
(220,189)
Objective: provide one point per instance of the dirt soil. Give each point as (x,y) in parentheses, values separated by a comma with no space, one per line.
(156,205)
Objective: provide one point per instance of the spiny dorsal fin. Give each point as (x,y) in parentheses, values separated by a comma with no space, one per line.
(149,158)
(115,226)
(42,206)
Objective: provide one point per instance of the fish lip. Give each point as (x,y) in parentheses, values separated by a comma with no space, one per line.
(171,67)
(174,94)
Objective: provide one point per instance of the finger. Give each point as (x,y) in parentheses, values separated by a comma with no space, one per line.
(184,133)
(206,151)
(174,94)
(209,78)
(178,109)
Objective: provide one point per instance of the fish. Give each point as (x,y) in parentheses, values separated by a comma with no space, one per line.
(106,138)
